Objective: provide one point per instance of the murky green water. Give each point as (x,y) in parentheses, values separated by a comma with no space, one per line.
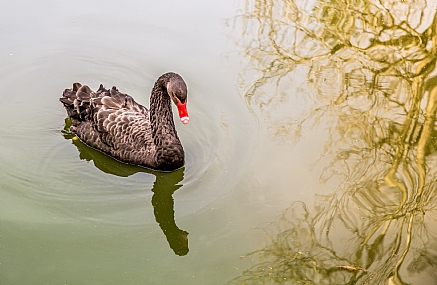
(310,153)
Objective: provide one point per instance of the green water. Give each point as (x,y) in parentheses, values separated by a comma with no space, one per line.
(310,153)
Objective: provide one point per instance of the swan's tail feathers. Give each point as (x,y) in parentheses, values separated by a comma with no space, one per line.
(101,89)
(76,86)
(82,103)
(76,101)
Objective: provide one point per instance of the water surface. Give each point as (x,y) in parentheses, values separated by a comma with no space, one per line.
(305,152)
(70,214)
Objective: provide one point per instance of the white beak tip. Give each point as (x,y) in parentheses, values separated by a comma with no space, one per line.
(185,120)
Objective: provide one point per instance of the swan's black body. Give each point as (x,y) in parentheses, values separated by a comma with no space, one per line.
(114,123)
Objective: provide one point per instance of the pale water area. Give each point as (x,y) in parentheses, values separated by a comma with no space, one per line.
(302,165)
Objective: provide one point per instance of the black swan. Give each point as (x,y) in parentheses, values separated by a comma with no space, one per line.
(115,124)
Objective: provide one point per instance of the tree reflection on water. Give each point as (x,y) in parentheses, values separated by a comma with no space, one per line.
(370,72)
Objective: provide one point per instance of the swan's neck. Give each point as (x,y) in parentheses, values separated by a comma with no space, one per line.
(168,146)
(161,115)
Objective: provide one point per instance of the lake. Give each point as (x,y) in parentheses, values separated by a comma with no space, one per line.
(310,152)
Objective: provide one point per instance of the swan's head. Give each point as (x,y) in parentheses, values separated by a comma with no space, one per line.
(177,89)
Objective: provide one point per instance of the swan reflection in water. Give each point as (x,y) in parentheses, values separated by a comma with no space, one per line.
(163,188)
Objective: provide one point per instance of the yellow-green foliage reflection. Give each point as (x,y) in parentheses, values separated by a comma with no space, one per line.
(370,77)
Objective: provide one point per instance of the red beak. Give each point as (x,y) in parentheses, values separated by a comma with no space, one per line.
(183,114)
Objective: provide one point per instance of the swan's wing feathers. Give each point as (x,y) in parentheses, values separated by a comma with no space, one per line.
(131,104)
(116,100)
(77,102)
(101,89)
(82,103)
(122,129)
(101,120)
(121,121)
(110,121)
(76,86)
(68,98)
(83,93)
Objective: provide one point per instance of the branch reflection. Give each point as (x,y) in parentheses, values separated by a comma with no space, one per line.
(371,71)
(163,188)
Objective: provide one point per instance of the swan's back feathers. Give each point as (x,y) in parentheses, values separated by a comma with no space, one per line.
(110,121)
